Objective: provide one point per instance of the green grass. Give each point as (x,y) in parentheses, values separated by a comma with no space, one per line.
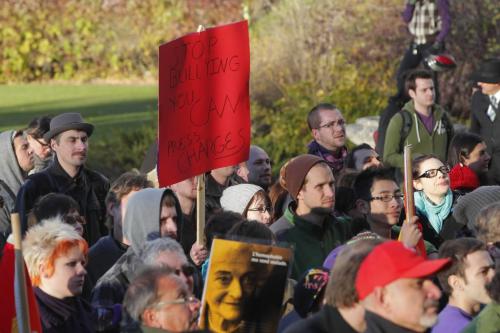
(109,107)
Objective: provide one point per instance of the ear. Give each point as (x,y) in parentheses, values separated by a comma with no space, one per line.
(315,133)
(455,282)
(362,206)
(300,195)
(109,208)
(411,93)
(380,296)
(53,144)
(148,317)
(417,185)
(43,271)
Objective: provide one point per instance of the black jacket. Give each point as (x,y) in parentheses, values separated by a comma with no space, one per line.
(70,314)
(377,324)
(488,130)
(88,188)
(328,319)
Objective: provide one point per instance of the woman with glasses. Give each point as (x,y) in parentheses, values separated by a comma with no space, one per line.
(54,205)
(55,256)
(470,162)
(251,201)
(434,200)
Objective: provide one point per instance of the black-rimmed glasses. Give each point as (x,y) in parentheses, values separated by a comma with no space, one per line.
(388,197)
(433,172)
(261,209)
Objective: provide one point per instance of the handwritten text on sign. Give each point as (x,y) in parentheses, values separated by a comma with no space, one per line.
(204,107)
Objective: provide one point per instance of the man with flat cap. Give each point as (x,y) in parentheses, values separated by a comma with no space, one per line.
(68,137)
(485,119)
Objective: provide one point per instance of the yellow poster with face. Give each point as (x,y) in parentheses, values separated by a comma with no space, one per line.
(244,287)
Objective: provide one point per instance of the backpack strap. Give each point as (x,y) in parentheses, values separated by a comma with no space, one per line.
(405,129)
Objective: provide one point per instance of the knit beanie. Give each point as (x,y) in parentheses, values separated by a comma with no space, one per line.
(236,198)
(468,206)
(296,171)
(463,178)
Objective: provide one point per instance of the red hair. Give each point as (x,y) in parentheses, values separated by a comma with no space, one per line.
(61,249)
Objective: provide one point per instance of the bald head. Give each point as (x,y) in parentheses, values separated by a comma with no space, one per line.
(259,167)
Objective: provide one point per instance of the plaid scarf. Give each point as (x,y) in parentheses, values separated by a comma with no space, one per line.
(425,21)
(336,163)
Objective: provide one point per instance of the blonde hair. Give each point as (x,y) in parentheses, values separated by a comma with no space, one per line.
(46,242)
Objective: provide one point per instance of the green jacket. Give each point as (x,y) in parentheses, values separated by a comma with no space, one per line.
(422,142)
(312,243)
(488,321)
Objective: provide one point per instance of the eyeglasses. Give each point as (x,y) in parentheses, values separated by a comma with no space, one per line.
(331,124)
(74,219)
(261,210)
(433,172)
(388,197)
(187,270)
(43,144)
(183,300)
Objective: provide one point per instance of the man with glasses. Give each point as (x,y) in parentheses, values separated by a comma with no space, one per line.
(380,200)
(161,302)
(327,127)
(110,290)
(41,148)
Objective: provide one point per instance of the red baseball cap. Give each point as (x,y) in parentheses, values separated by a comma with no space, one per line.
(389,262)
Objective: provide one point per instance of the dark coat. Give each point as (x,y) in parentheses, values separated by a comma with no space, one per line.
(488,130)
(70,314)
(102,256)
(328,319)
(88,188)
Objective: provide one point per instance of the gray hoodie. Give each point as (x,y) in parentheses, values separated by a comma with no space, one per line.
(141,223)
(11,179)
(142,218)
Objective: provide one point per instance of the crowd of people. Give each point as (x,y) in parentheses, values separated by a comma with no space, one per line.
(123,256)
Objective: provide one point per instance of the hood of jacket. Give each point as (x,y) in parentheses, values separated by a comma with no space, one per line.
(142,217)
(10,172)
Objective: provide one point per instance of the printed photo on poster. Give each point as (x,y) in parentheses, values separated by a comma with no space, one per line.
(244,287)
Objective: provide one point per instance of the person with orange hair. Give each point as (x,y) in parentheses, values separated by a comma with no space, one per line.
(55,255)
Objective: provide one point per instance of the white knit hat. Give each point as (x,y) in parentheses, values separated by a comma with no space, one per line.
(236,198)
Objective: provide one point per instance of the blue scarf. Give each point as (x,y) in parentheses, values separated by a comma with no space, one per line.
(436,214)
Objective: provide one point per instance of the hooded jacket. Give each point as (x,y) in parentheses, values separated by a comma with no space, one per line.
(11,179)
(422,142)
(144,206)
(140,224)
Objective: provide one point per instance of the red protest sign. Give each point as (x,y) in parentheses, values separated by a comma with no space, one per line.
(204,105)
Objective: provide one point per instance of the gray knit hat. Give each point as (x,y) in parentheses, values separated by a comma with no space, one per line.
(468,206)
(236,198)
